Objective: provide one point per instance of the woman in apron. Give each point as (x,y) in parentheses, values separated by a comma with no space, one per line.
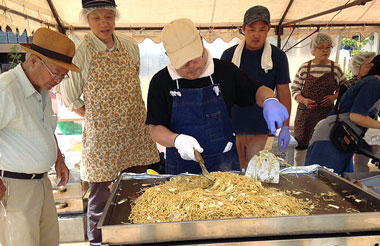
(315,88)
(115,137)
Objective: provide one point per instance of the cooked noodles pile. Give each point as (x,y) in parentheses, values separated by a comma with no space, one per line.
(231,196)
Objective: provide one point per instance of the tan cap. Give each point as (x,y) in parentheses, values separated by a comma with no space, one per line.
(182,42)
(53,47)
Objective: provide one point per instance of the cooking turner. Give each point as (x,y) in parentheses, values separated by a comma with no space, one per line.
(269,143)
(201,162)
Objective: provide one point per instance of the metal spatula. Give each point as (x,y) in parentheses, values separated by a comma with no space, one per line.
(201,162)
(269,142)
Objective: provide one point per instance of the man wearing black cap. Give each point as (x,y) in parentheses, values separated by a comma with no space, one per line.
(28,146)
(115,137)
(267,64)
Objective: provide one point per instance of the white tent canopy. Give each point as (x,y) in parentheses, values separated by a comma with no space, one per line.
(216,18)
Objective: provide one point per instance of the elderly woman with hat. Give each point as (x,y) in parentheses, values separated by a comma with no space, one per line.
(28,146)
(115,137)
(315,88)
(359,107)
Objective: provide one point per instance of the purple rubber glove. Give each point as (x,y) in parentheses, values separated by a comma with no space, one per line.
(283,138)
(274,114)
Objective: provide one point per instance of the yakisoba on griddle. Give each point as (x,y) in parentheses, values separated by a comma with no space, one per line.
(231,196)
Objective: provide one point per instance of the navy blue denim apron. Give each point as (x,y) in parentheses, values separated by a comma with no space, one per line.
(202,114)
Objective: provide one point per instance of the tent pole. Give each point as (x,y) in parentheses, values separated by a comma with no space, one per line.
(339,44)
(279,29)
(302,40)
(356,2)
(60,27)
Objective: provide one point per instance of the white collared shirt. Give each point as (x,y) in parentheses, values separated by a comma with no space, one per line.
(209,69)
(27,125)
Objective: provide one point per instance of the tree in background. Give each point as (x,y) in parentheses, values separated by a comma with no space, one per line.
(15,56)
(355,46)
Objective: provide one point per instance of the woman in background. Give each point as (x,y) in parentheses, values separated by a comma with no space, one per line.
(315,88)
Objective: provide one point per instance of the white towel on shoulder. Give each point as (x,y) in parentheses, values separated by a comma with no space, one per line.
(266,58)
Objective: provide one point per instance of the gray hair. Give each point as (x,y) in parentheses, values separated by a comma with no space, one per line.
(83,15)
(318,39)
(358,60)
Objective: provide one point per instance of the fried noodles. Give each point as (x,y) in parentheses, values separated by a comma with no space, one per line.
(231,196)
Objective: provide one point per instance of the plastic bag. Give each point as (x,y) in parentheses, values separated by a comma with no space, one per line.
(264,167)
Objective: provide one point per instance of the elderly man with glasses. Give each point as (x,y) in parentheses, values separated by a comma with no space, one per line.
(28,146)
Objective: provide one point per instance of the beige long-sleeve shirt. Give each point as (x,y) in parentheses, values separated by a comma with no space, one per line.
(72,88)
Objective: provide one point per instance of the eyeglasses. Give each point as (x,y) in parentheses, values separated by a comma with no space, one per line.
(55,76)
(324,48)
(196,60)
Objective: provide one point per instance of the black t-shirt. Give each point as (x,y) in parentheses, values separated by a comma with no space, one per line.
(237,88)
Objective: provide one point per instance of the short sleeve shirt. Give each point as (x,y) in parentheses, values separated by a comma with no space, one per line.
(27,125)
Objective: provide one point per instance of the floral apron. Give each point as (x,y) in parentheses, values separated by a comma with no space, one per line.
(115,136)
(314,88)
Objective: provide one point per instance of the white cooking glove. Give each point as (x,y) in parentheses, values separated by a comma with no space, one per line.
(185,145)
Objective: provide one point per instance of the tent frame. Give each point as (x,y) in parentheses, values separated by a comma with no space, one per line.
(279,29)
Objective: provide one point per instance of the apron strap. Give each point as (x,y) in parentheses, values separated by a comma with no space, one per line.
(308,68)
(212,81)
(91,47)
(332,66)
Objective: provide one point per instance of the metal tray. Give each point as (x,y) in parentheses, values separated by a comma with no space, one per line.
(324,220)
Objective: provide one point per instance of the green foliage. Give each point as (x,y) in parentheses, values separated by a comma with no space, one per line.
(354,45)
(347,73)
(15,56)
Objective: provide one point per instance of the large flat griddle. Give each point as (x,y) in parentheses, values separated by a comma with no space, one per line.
(332,214)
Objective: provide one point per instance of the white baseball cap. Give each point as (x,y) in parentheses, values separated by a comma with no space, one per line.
(182,42)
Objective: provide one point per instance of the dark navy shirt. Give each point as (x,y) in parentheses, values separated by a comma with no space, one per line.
(362,98)
(250,120)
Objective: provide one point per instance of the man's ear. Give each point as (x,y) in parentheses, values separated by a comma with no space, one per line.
(33,59)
